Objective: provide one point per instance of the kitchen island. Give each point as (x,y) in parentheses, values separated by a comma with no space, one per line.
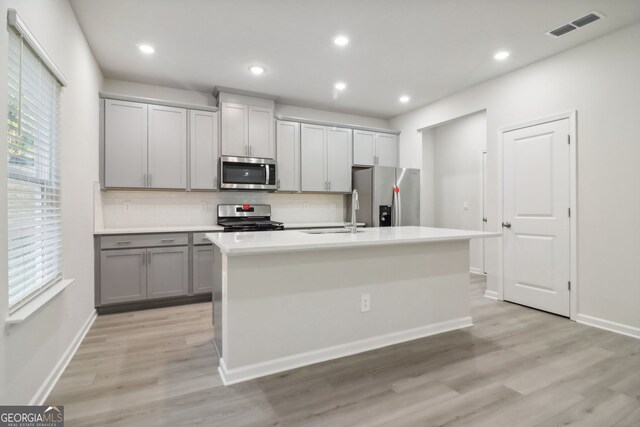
(285,299)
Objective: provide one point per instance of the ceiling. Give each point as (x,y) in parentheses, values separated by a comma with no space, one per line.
(427,49)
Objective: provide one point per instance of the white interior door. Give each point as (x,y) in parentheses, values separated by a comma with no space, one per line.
(483,202)
(536,196)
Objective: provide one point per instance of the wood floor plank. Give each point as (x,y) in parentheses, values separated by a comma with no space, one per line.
(515,366)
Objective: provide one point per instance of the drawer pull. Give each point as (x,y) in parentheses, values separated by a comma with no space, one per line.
(123,242)
(167,240)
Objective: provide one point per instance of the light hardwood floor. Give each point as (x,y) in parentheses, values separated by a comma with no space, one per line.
(515,367)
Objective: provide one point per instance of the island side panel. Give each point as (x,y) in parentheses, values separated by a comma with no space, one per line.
(216,316)
(288,308)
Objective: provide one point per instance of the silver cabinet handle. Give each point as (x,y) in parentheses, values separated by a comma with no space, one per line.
(144,258)
(329,185)
(123,242)
(278,184)
(484,219)
(149,257)
(167,240)
(506,224)
(144,179)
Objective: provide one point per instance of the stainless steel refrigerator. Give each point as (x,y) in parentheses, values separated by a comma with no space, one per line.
(388,196)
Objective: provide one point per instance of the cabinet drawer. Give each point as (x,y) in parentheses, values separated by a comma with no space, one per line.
(143,240)
(200,239)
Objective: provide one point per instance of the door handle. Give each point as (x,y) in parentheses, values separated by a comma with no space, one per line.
(506,224)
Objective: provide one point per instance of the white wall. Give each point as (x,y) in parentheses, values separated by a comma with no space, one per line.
(31,350)
(164,208)
(202,98)
(457,177)
(599,80)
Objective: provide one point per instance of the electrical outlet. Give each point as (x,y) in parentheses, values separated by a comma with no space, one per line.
(126,206)
(365,303)
(465,206)
(204,206)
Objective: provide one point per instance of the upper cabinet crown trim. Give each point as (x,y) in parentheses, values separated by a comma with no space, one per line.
(161,102)
(338,125)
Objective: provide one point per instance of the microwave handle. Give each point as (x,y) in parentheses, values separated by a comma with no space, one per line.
(266,182)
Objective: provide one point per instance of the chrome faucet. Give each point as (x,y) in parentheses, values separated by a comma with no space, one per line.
(355,205)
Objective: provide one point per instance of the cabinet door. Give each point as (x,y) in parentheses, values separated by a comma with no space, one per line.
(125,144)
(203,139)
(261,140)
(235,130)
(167,272)
(122,276)
(363,148)
(339,159)
(202,269)
(387,149)
(312,159)
(167,147)
(288,155)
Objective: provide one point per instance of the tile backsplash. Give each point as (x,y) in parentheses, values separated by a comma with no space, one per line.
(165,208)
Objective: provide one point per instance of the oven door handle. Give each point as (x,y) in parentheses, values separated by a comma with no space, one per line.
(266,181)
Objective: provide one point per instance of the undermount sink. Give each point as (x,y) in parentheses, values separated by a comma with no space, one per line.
(332,231)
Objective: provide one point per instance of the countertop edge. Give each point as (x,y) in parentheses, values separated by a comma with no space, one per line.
(343,245)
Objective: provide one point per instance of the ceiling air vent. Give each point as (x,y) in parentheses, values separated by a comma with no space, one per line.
(581,22)
(562,30)
(574,25)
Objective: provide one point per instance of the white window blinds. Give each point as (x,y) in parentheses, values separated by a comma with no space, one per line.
(33,196)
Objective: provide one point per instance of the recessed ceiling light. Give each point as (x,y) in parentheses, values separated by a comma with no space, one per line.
(340,86)
(341,40)
(146,48)
(256,69)
(501,55)
(404,99)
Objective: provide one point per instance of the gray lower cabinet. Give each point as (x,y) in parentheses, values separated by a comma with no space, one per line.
(123,275)
(202,269)
(167,272)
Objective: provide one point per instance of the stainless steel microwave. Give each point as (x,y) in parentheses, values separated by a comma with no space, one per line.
(245,173)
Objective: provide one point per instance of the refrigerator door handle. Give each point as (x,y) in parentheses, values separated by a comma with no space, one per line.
(399,209)
(394,211)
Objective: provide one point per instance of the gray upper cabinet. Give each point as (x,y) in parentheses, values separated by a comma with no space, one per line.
(125,144)
(167,147)
(288,155)
(145,146)
(235,129)
(261,139)
(203,141)
(373,148)
(123,276)
(363,148)
(339,162)
(387,149)
(167,272)
(325,158)
(313,157)
(247,130)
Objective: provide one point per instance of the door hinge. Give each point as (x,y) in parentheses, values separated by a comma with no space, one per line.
(569,285)
(569,211)
(568,139)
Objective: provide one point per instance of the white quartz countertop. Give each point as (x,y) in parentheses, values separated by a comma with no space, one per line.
(205,228)
(299,240)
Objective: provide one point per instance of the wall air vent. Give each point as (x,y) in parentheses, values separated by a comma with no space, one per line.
(574,25)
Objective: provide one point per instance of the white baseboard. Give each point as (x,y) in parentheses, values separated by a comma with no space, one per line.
(53,377)
(232,376)
(608,325)
(491,294)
